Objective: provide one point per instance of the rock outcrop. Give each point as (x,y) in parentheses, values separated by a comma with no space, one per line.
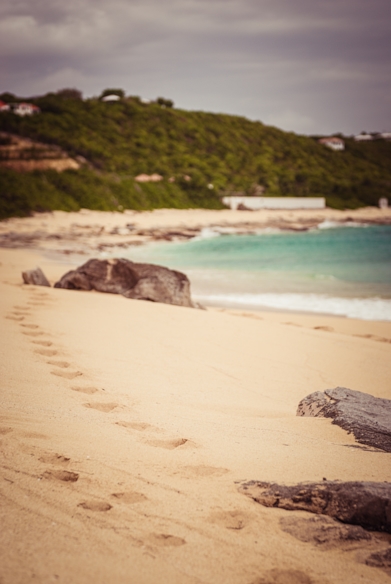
(25,155)
(381,559)
(35,277)
(367,417)
(131,279)
(324,531)
(367,504)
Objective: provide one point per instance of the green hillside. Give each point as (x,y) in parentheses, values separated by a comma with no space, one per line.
(120,140)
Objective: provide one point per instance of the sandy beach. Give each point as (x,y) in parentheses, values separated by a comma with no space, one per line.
(126,426)
(89,232)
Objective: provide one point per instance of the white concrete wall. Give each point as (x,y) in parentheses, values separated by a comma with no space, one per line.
(255,203)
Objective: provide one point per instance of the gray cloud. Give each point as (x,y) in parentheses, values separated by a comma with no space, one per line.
(303,65)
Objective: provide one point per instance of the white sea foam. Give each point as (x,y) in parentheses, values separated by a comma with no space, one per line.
(216,231)
(207,233)
(328,224)
(361,308)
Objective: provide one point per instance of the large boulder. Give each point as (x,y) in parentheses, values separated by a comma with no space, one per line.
(367,417)
(356,502)
(131,279)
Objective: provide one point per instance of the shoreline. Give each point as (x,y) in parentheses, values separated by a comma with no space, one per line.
(87,232)
(73,238)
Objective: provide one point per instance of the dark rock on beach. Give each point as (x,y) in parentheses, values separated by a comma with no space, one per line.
(131,279)
(367,504)
(367,417)
(35,277)
(324,531)
(381,559)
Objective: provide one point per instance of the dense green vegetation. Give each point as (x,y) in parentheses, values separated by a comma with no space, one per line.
(122,139)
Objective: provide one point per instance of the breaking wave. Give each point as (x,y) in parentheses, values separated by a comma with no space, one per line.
(361,308)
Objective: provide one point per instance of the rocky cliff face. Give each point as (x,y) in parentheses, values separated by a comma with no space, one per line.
(25,155)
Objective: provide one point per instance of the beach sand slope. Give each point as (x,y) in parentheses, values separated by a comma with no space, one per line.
(126,427)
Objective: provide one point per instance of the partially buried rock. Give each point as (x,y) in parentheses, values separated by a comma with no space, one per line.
(131,279)
(324,531)
(381,560)
(367,417)
(358,503)
(35,277)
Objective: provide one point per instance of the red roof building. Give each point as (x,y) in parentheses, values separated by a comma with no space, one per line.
(4,107)
(25,109)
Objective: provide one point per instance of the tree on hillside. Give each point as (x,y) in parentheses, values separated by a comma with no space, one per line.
(8,97)
(70,93)
(165,102)
(119,92)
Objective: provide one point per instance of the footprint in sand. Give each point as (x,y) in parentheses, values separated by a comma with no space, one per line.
(139,426)
(328,329)
(30,326)
(95,505)
(54,459)
(35,435)
(165,540)
(277,576)
(4,431)
(61,364)
(88,390)
(101,407)
(33,333)
(46,352)
(18,307)
(43,343)
(249,315)
(17,318)
(374,338)
(170,444)
(130,497)
(67,374)
(235,520)
(65,476)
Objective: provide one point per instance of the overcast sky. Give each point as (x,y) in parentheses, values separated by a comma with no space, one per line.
(311,66)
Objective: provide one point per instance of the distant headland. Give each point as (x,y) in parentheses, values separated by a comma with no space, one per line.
(113,152)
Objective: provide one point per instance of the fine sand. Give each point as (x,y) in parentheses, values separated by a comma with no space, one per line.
(126,426)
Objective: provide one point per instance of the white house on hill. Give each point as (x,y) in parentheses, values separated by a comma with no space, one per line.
(363,137)
(384,136)
(111,97)
(20,109)
(25,109)
(333,142)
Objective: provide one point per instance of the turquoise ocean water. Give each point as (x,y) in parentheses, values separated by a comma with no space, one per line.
(334,270)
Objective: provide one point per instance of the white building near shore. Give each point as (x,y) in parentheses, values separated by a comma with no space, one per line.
(256,203)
